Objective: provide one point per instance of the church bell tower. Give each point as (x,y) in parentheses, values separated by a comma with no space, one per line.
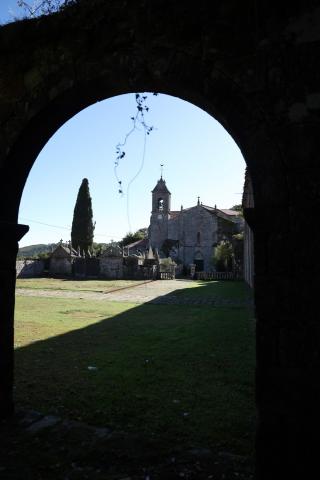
(161,204)
(161,198)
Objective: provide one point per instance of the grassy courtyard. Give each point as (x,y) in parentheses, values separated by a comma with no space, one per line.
(180,373)
(74,285)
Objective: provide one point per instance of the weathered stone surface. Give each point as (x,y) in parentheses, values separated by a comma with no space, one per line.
(29,268)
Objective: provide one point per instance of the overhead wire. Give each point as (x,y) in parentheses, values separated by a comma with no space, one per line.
(63,227)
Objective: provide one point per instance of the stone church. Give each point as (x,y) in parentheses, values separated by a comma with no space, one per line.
(191,233)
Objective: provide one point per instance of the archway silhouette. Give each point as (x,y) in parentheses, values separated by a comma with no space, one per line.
(241,124)
(202,263)
(91,166)
(226,61)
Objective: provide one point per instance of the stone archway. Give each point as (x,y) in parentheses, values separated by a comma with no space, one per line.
(249,66)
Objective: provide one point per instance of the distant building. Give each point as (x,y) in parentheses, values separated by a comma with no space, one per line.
(111,262)
(190,234)
(61,260)
(139,247)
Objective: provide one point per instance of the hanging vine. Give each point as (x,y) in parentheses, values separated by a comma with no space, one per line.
(138,123)
(138,120)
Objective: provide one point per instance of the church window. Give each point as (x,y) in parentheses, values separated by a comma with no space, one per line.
(198,237)
(160,204)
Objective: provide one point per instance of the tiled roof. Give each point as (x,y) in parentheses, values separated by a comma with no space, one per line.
(229,212)
(65,249)
(161,186)
(226,211)
(174,213)
(138,243)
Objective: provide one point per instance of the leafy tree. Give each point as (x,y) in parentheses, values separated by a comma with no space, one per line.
(237,245)
(237,208)
(223,255)
(82,224)
(132,237)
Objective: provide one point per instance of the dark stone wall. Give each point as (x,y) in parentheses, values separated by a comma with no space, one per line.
(254,67)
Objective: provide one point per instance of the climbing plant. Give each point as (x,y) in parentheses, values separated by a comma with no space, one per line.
(138,121)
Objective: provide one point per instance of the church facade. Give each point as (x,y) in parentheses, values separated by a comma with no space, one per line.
(190,234)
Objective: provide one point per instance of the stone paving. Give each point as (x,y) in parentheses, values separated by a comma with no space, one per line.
(158,292)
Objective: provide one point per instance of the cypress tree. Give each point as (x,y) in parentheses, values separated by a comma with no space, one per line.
(82,223)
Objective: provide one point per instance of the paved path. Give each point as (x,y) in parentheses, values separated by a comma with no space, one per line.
(159,292)
(142,293)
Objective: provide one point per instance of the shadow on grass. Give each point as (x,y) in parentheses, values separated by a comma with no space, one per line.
(182,373)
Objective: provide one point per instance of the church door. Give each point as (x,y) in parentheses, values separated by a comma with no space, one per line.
(199,265)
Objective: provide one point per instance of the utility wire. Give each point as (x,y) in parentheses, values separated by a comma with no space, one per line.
(135,176)
(63,227)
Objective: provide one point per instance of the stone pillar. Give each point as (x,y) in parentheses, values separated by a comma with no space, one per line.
(288,341)
(10,234)
(192,270)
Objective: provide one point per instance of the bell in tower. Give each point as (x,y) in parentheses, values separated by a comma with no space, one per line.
(161,198)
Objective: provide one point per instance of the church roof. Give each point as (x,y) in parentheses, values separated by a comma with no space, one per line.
(226,211)
(230,212)
(143,243)
(161,187)
(218,211)
(174,213)
(63,251)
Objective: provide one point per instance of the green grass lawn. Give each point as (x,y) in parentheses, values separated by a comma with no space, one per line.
(74,285)
(228,290)
(181,373)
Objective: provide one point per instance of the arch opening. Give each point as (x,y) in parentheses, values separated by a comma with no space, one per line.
(261,99)
(198,257)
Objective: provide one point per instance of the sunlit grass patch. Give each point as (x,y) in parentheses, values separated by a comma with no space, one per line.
(74,285)
(182,373)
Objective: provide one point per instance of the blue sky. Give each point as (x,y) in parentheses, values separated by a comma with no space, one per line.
(199,157)
(9,10)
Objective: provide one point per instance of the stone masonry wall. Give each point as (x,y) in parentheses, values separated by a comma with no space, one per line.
(60,266)
(29,268)
(111,267)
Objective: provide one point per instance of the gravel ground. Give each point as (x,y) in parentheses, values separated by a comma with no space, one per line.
(159,291)
(142,293)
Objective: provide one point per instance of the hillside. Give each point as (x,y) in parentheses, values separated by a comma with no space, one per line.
(31,250)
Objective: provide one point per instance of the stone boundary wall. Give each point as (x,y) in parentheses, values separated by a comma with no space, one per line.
(29,268)
(111,267)
(60,266)
(218,276)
